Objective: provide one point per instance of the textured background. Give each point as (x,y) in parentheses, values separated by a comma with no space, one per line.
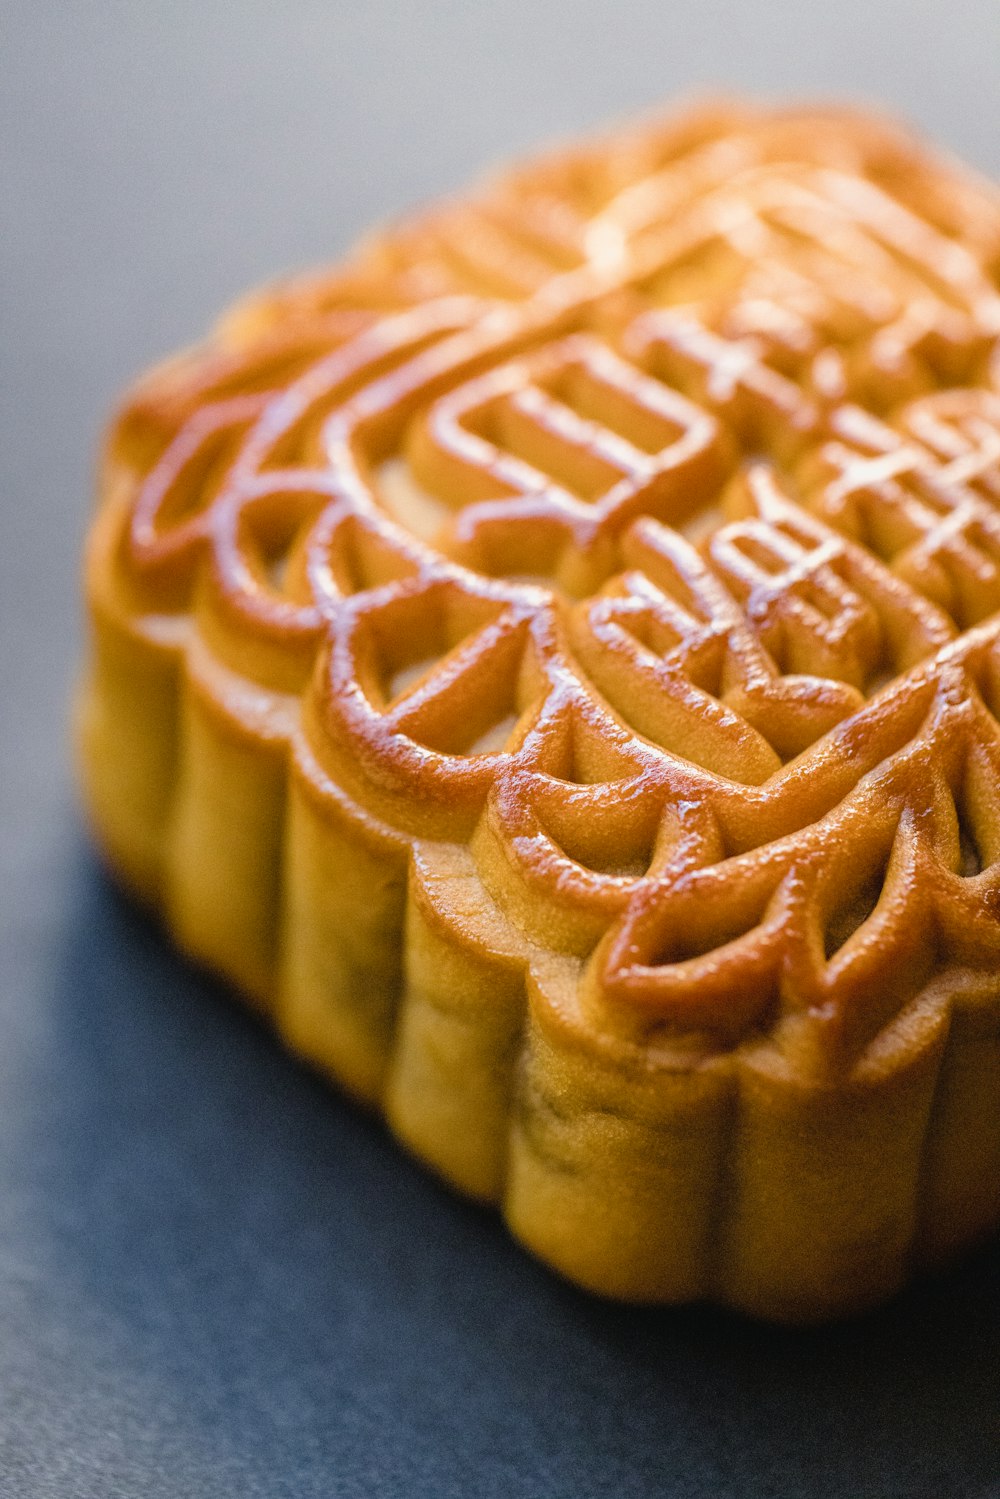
(215,1279)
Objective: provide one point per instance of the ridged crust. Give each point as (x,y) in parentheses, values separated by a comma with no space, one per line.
(551,666)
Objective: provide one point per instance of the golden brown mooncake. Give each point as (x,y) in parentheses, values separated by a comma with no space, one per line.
(551,666)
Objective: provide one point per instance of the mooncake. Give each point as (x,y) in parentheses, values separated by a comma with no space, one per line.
(549,664)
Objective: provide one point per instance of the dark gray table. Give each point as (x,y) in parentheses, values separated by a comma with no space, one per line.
(215,1278)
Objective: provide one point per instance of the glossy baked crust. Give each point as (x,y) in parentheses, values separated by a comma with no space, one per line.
(550,665)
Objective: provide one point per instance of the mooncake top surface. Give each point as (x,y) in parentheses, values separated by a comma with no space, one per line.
(635,524)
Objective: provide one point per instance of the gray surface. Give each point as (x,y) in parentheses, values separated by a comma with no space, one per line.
(213,1278)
